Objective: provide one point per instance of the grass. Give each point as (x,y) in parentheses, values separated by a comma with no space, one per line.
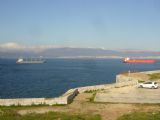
(92,98)
(11,114)
(141,81)
(146,104)
(154,76)
(18,107)
(141,116)
(93,91)
(59,105)
(29,106)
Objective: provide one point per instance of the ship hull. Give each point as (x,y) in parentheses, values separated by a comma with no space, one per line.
(140,61)
(31,62)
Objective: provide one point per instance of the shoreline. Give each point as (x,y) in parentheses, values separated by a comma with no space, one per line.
(68,96)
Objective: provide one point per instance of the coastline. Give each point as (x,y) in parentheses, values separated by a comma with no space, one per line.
(121,81)
(66,98)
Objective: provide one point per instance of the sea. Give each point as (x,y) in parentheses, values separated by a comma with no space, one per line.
(56,76)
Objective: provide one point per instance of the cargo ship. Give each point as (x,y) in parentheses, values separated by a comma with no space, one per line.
(141,61)
(29,61)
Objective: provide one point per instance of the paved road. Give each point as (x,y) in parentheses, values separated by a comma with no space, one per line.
(130,94)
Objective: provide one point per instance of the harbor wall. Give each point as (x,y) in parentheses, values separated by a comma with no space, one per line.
(106,86)
(64,99)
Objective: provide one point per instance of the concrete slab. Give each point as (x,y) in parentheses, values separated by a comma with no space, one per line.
(130,94)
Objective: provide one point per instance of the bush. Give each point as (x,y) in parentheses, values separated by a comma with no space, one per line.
(154,76)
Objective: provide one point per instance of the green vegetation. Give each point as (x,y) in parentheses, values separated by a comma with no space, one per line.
(154,76)
(28,106)
(59,105)
(11,114)
(146,104)
(92,98)
(93,94)
(141,81)
(18,107)
(141,116)
(93,91)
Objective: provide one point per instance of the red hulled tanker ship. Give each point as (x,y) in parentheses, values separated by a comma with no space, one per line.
(141,61)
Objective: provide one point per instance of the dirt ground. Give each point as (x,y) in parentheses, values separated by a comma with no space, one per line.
(108,111)
(82,105)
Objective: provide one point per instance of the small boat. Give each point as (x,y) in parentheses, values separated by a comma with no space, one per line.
(141,61)
(30,61)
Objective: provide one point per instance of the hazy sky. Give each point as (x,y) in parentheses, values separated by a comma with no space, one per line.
(109,24)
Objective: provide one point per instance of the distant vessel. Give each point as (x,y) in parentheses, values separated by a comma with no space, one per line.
(30,61)
(142,61)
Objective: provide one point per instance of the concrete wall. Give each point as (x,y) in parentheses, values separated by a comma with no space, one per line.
(122,78)
(151,72)
(65,99)
(69,96)
(107,86)
(95,87)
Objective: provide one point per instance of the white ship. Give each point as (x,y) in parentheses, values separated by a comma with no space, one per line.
(30,61)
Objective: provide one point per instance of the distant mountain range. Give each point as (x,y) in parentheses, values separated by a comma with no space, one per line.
(67,52)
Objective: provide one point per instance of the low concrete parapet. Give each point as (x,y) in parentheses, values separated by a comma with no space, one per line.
(128,83)
(69,95)
(151,72)
(95,87)
(22,101)
(108,86)
(65,99)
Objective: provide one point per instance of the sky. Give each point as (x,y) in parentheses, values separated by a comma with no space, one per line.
(107,24)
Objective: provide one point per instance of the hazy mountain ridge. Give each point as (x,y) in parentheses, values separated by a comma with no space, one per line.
(77,53)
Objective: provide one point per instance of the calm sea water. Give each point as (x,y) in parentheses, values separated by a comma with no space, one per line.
(53,78)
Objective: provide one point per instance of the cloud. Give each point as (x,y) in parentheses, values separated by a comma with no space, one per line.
(11,45)
(35,48)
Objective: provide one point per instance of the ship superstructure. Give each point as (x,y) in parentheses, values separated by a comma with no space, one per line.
(30,61)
